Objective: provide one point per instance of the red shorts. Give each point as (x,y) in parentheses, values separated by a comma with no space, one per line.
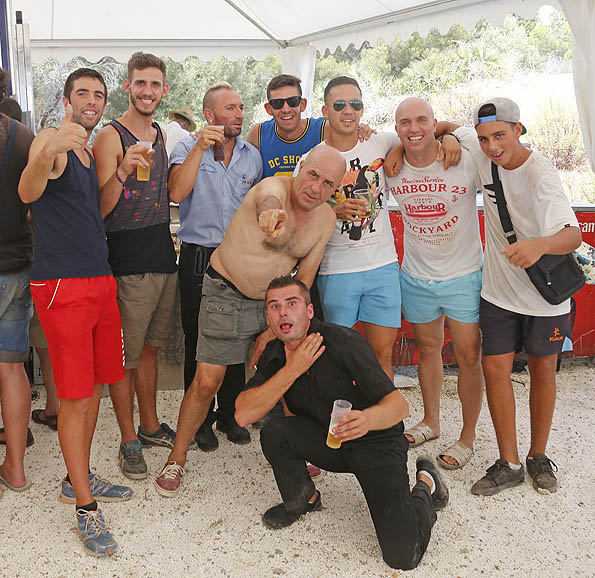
(81,321)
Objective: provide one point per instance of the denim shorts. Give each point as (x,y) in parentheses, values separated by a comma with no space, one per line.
(372,296)
(426,300)
(16,309)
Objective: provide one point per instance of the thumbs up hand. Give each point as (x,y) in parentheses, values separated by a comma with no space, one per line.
(70,135)
(68,116)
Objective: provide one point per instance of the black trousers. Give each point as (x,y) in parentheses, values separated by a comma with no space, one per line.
(403,519)
(194,261)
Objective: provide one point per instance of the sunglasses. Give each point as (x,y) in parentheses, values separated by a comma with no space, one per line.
(292,101)
(355,104)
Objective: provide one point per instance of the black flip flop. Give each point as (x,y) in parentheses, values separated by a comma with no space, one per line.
(50,420)
(30,440)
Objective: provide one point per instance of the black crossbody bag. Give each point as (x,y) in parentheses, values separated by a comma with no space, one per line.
(556,277)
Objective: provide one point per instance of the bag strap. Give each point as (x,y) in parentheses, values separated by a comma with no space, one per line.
(503,213)
(12,133)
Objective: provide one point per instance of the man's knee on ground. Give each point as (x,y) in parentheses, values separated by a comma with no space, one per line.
(400,560)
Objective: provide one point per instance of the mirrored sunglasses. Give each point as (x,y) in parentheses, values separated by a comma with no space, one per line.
(355,104)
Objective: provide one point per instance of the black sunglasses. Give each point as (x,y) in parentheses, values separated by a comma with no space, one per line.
(355,104)
(292,101)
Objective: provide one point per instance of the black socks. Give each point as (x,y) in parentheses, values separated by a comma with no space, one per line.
(88,508)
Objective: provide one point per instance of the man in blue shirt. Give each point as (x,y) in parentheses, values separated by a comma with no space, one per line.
(209,192)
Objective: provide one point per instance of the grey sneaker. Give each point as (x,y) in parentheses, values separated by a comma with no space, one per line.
(541,470)
(164,436)
(498,477)
(132,462)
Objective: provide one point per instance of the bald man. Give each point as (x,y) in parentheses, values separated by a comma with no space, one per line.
(441,271)
(282,225)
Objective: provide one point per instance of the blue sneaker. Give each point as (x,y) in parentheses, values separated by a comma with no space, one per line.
(101,490)
(94,535)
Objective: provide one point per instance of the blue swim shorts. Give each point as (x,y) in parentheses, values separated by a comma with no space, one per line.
(372,296)
(426,300)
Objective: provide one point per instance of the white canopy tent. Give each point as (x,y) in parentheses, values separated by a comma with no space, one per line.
(235,28)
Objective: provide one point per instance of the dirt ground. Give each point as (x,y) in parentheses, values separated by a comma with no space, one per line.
(213,527)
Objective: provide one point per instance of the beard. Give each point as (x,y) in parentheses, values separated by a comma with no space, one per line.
(144,112)
(87,124)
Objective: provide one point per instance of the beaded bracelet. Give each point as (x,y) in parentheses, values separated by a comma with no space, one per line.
(119,179)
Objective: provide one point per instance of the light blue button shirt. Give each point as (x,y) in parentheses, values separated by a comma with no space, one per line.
(206,212)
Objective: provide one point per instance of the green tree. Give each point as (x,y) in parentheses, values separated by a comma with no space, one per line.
(553,40)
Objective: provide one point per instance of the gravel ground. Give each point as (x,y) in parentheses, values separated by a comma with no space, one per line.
(213,527)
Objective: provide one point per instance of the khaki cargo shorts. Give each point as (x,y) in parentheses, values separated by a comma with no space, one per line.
(228,323)
(146,302)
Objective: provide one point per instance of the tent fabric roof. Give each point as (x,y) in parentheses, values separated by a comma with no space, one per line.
(235,28)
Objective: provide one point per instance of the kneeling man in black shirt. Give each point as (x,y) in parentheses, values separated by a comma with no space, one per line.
(309,365)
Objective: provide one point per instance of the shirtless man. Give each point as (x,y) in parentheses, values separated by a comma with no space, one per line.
(293,225)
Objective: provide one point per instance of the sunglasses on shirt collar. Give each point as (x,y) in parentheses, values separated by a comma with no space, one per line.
(356,104)
(292,101)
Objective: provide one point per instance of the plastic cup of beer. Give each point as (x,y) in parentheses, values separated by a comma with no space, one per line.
(218,150)
(341,408)
(364,194)
(144,173)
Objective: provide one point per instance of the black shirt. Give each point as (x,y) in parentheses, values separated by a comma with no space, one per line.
(69,232)
(16,240)
(348,369)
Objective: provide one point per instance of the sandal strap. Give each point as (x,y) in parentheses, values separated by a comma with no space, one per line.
(459,451)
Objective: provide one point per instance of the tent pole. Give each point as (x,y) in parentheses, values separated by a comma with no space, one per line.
(281,43)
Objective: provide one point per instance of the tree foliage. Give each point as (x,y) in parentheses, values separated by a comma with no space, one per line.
(437,62)
(429,66)
(188,81)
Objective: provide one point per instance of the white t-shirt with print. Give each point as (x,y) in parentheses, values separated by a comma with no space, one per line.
(440,225)
(367,243)
(538,207)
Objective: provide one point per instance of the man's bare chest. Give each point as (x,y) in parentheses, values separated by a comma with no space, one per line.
(295,242)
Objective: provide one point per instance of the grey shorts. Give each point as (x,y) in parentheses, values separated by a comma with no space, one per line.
(146,304)
(228,323)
